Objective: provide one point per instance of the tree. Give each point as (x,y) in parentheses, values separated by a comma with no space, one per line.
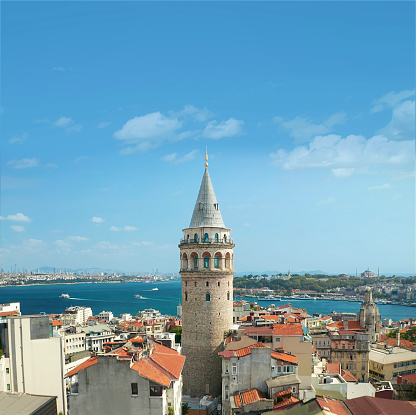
(178,334)
(185,408)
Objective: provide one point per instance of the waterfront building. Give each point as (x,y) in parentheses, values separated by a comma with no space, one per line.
(370,317)
(206,255)
(96,336)
(74,340)
(32,360)
(138,378)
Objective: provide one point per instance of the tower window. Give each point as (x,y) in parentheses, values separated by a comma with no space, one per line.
(206,262)
(216,237)
(186,283)
(207,284)
(196,239)
(206,238)
(186,296)
(196,262)
(228,295)
(225,238)
(207,297)
(195,283)
(218,283)
(216,262)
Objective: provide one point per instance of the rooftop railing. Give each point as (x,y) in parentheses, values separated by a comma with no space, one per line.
(191,241)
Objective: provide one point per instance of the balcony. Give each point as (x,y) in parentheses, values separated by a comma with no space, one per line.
(207,241)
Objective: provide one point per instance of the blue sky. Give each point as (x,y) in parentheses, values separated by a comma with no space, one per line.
(307,109)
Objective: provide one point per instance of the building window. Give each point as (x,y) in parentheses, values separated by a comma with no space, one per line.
(218,283)
(7,370)
(134,389)
(196,262)
(8,386)
(186,283)
(228,295)
(216,237)
(206,238)
(155,390)
(207,297)
(226,391)
(206,262)
(196,238)
(277,339)
(186,296)
(216,262)
(234,369)
(207,284)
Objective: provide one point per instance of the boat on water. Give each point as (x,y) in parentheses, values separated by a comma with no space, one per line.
(270,298)
(138,296)
(306,297)
(155,289)
(63,295)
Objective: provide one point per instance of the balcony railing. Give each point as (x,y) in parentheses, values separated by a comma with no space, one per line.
(191,241)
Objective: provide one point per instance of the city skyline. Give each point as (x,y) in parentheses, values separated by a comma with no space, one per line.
(307,110)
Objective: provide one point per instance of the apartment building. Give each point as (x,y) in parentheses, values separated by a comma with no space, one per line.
(73,316)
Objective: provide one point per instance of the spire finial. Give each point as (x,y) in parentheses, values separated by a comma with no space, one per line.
(206,156)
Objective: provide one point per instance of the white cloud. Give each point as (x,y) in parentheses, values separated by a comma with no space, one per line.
(217,130)
(402,123)
(103,124)
(63,244)
(51,166)
(25,163)
(148,131)
(18,228)
(96,219)
(67,124)
(77,238)
(200,115)
(173,158)
(345,156)
(80,158)
(18,217)
(58,68)
(33,245)
(63,122)
(103,245)
(16,139)
(123,228)
(391,99)
(380,187)
(303,129)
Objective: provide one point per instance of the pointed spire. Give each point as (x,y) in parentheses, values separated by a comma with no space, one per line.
(206,212)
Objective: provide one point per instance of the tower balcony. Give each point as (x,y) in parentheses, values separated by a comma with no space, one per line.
(206,241)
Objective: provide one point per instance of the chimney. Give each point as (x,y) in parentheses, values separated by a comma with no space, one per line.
(345,324)
(398,338)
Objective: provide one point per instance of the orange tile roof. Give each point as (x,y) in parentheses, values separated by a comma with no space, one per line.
(352,325)
(333,368)
(237,400)
(348,376)
(410,377)
(247,350)
(333,405)
(57,323)
(406,344)
(251,396)
(149,370)
(285,357)
(173,364)
(9,313)
(90,362)
(228,339)
(282,393)
(122,353)
(285,402)
(292,329)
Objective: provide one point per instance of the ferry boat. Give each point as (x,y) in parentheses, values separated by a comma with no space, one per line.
(306,297)
(270,298)
(155,289)
(64,296)
(138,296)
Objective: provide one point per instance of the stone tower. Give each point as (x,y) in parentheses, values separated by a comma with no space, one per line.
(207,293)
(369,316)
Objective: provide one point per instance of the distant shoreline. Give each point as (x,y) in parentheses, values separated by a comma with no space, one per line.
(84,282)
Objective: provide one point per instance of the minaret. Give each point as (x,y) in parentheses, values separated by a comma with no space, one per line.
(207,292)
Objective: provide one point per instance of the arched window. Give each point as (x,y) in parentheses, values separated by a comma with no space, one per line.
(196,239)
(227,260)
(206,238)
(207,284)
(207,297)
(228,295)
(206,261)
(225,237)
(216,261)
(186,296)
(185,261)
(187,238)
(218,283)
(196,262)
(216,237)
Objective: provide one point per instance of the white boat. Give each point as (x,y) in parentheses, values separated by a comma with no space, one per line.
(138,296)
(270,298)
(305,297)
(155,289)
(64,296)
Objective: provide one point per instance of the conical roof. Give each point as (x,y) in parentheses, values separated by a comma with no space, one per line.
(206,212)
